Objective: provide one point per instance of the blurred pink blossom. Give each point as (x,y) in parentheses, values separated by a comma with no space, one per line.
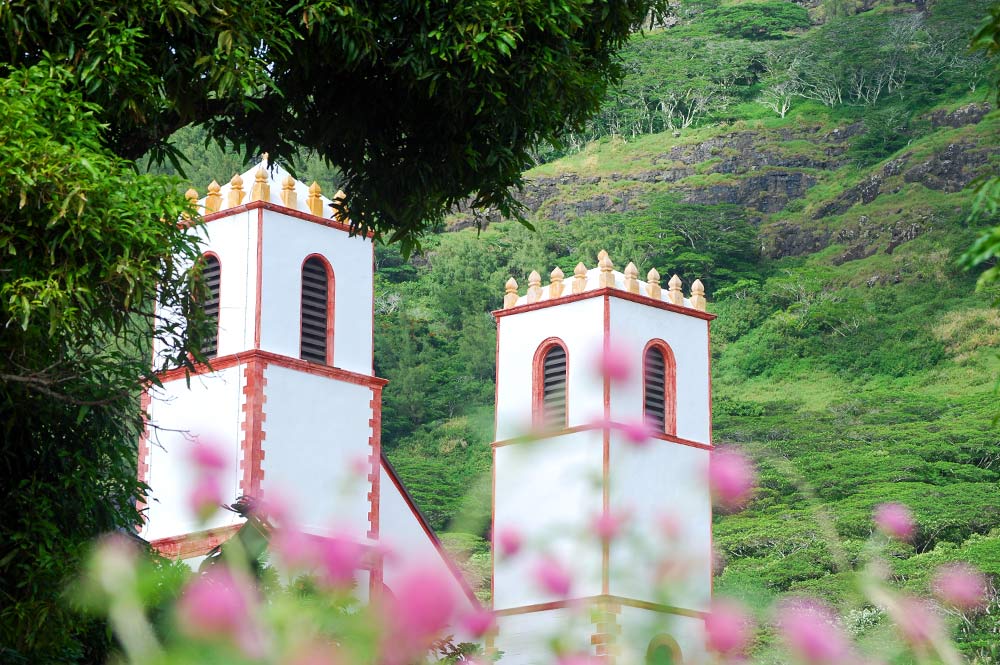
(728,627)
(208,456)
(479,622)
(206,497)
(961,586)
(895,520)
(637,433)
(916,620)
(218,605)
(670,526)
(810,631)
(509,540)
(340,558)
(114,562)
(608,525)
(296,549)
(614,363)
(421,606)
(731,477)
(361,466)
(579,659)
(552,577)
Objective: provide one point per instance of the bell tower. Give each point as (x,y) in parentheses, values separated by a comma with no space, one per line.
(290,394)
(568,453)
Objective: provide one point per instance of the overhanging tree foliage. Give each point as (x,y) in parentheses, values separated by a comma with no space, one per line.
(420,104)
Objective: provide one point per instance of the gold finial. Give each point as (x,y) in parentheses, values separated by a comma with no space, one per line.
(601,255)
(631,278)
(510,293)
(261,191)
(674,294)
(235,191)
(534,286)
(340,198)
(556,282)
(192,198)
(288,192)
(607,279)
(313,201)
(579,278)
(698,295)
(653,289)
(214,199)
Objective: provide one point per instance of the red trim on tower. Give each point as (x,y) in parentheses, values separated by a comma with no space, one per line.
(374,475)
(711,531)
(291,212)
(142,466)
(592,426)
(607,631)
(259,279)
(269,358)
(606,291)
(670,384)
(602,598)
(606,455)
(538,382)
(493,524)
(194,544)
(331,300)
(252,443)
(419,516)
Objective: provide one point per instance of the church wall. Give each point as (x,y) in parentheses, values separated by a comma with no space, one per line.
(632,326)
(209,410)
(526,639)
(316,440)
(287,241)
(663,488)
(548,490)
(580,326)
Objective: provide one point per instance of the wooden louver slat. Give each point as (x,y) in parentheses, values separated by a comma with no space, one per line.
(655,407)
(211,274)
(313,331)
(554,388)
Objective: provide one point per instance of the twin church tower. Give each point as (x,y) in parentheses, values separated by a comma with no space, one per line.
(292,396)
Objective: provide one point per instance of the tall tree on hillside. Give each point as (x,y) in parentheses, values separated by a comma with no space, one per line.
(419,103)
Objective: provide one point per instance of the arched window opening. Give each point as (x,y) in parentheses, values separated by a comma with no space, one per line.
(663,650)
(316,322)
(211,275)
(659,393)
(550,386)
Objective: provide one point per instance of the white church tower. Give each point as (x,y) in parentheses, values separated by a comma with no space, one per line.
(563,457)
(291,395)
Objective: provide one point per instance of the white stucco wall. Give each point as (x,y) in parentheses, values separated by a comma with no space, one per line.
(549,491)
(633,325)
(580,325)
(287,241)
(527,639)
(408,543)
(316,435)
(208,411)
(662,487)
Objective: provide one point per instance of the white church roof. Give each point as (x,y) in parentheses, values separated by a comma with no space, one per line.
(265,182)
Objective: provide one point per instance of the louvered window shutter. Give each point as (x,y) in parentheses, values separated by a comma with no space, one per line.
(554,388)
(315,283)
(655,389)
(211,273)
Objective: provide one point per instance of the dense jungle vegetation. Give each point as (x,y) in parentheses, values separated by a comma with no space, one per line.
(811,164)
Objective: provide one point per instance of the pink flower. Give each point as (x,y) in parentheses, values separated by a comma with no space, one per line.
(637,433)
(607,526)
(728,628)
(579,659)
(731,477)
(552,577)
(208,457)
(811,633)
(296,549)
(479,622)
(217,605)
(509,540)
(421,606)
(895,520)
(670,526)
(361,466)
(615,363)
(916,620)
(340,558)
(113,563)
(206,497)
(961,586)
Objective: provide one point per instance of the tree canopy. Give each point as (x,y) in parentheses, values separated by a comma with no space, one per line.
(421,105)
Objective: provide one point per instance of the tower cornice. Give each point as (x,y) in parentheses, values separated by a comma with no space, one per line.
(605,291)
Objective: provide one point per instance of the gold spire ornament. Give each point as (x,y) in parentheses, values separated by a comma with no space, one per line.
(653,289)
(579,278)
(235,191)
(261,190)
(698,295)
(313,201)
(534,287)
(288,197)
(556,283)
(607,279)
(192,198)
(632,278)
(510,293)
(213,201)
(674,294)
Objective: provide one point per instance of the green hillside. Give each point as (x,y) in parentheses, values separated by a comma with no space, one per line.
(850,356)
